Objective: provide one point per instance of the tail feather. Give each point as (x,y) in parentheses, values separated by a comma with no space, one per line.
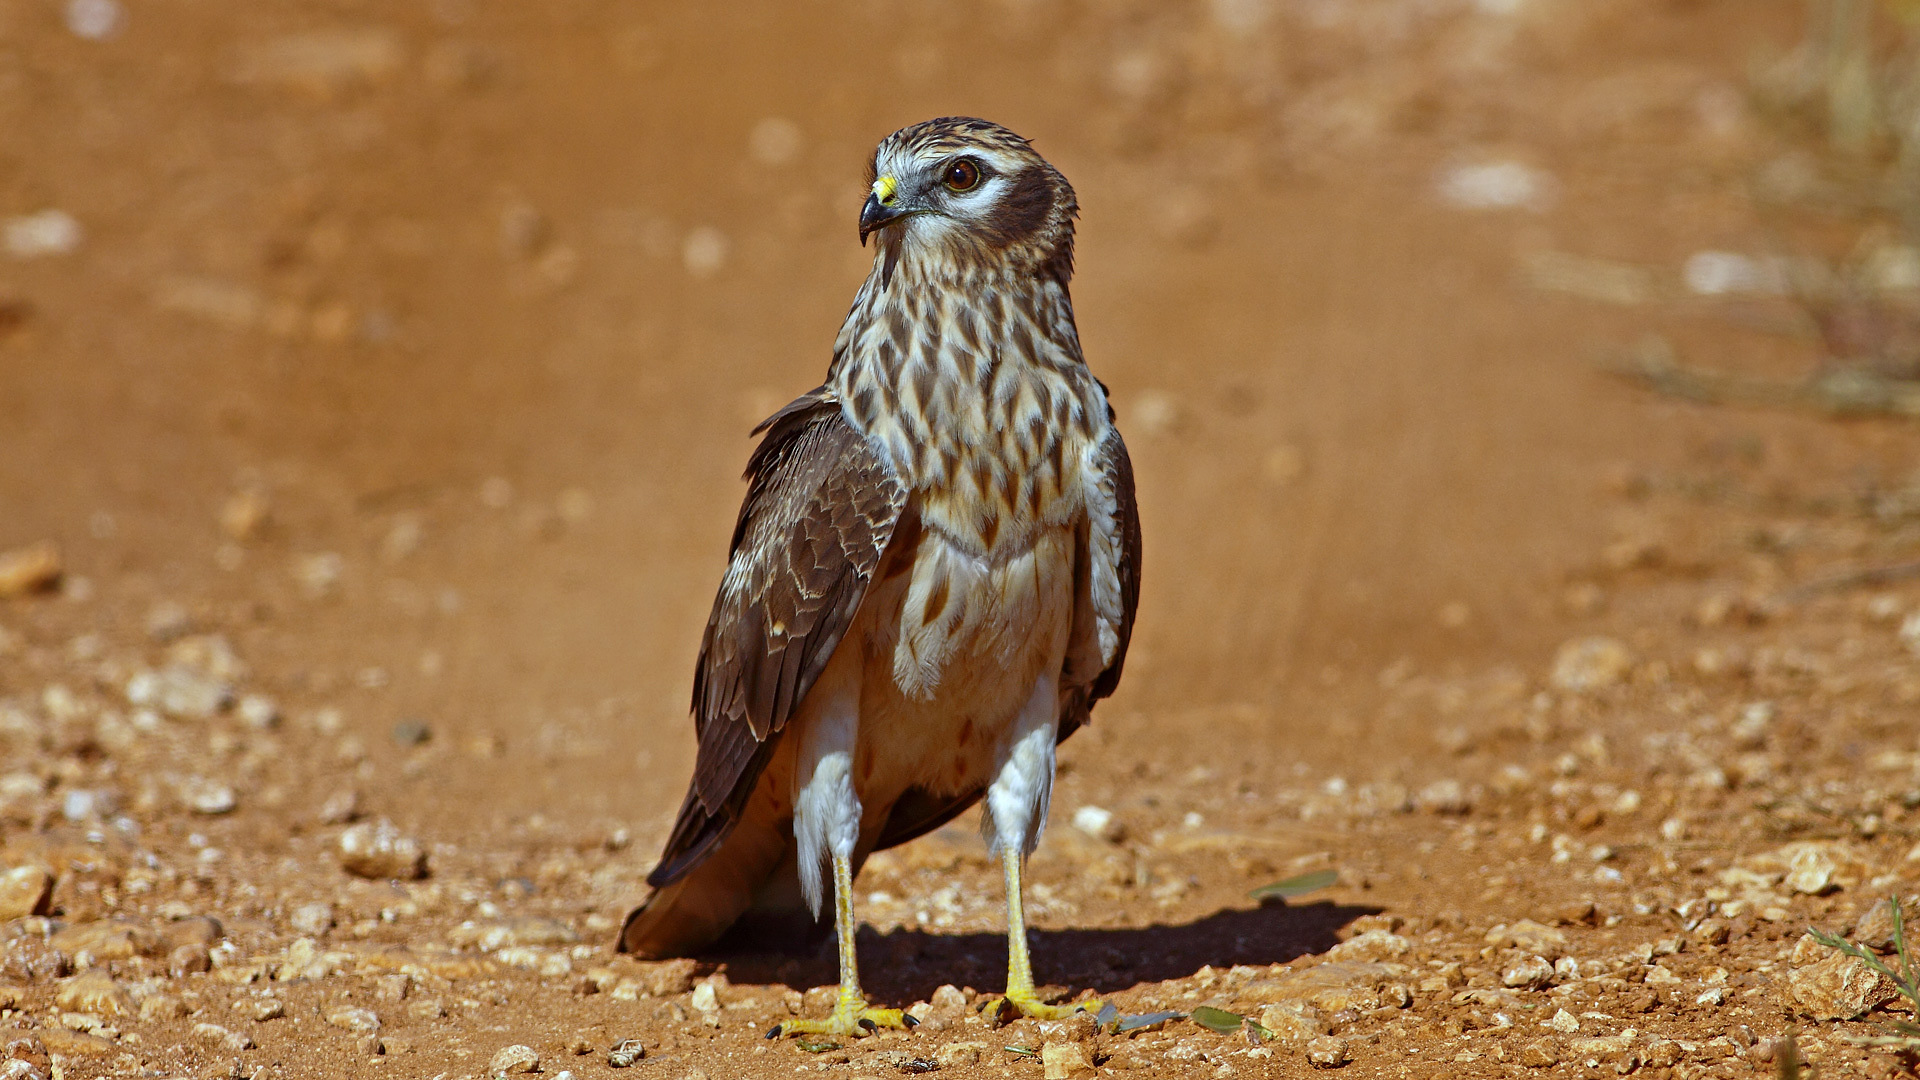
(748,884)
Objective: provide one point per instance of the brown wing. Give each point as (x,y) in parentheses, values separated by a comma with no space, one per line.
(1107,593)
(1112,569)
(819,513)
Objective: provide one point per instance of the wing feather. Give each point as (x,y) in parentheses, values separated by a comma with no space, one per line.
(1113,559)
(820,510)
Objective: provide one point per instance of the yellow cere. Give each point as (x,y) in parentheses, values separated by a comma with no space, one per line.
(884,188)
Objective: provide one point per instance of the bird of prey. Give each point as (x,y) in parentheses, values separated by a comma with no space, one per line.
(933,576)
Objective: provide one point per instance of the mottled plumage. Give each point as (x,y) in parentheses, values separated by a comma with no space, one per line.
(934,573)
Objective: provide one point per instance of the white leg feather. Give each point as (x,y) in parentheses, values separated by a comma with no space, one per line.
(1022,787)
(826,808)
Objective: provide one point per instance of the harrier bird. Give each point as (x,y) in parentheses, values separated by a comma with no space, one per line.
(933,576)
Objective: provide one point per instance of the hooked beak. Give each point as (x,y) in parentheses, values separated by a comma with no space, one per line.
(883,207)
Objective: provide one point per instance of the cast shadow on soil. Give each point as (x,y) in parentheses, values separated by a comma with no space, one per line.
(908,965)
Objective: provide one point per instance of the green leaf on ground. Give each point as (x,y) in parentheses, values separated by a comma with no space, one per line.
(1220,1020)
(820,1047)
(1297,886)
(1023,1051)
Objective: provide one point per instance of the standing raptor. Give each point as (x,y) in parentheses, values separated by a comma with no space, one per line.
(933,576)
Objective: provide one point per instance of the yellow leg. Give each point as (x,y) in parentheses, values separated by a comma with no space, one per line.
(1020,999)
(851,1016)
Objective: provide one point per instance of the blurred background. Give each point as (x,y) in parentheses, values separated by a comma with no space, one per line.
(414,346)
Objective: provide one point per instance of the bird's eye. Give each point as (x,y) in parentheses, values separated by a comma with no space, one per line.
(962,175)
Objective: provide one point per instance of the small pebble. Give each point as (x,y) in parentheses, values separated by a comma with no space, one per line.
(1662,1054)
(158,1008)
(1540,1054)
(514,1059)
(1099,823)
(1444,797)
(24,891)
(189,959)
(169,621)
(208,797)
(705,251)
(29,569)
(341,807)
(94,20)
(83,804)
(377,849)
(1588,664)
(220,1038)
(1838,988)
(259,712)
(357,1020)
(412,733)
(704,999)
(1531,972)
(1812,870)
(319,574)
(1496,185)
(193,930)
(243,515)
(1058,1061)
(49,232)
(1327,1052)
(311,920)
(959,1055)
(95,992)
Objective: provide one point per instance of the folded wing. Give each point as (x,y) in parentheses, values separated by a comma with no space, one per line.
(820,510)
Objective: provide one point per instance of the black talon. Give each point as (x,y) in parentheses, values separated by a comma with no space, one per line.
(867,1022)
(912,1021)
(774,1033)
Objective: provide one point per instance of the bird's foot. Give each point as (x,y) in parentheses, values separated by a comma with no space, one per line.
(1015,1004)
(852,1018)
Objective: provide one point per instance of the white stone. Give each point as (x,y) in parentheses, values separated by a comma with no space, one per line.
(1588,664)
(1721,273)
(1098,822)
(514,1059)
(376,849)
(311,920)
(705,251)
(204,796)
(259,712)
(49,232)
(1497,185)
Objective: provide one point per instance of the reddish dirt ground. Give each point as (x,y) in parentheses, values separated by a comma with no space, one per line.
(387,410)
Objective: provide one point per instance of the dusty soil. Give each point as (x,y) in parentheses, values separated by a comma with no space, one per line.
(386,409)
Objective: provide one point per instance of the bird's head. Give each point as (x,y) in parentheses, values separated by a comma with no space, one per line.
(968,191)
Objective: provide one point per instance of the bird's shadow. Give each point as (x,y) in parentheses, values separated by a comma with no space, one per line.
(908,965)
